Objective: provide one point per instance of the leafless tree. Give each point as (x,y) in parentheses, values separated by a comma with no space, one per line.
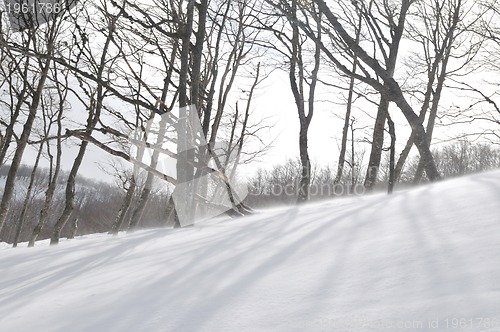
(96,97)
(61,81)
(384,82)
(303,80)
(349,106)
(43,41)
(443,29)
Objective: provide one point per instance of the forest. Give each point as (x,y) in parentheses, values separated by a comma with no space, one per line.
(169,91)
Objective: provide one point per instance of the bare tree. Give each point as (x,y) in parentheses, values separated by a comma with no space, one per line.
(43,40)
(389,45)
(16,71)
(94,112)
(62,84)
(392,155)
(124,208)
(302,83)
(443,30)
(387,86)
(350,101)
(48,103)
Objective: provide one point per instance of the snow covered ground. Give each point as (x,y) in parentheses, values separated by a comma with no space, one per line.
(421,260)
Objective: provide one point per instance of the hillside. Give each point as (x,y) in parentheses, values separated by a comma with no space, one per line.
(420,260)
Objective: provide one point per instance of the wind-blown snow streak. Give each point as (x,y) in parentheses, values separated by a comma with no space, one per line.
(400,263)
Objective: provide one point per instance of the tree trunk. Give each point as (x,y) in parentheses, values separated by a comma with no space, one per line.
(434,109)
(93,117)
(392,156)
(383,109)
(146,191)
(353,161)
(23,142)
(345,129)
(441,55)
(347,119)
(390,87)
(70,195)
(377,144)
(297,85)
(21,97)
(54,176)
(418,132)
(305,175)
(127,202)
(28,198)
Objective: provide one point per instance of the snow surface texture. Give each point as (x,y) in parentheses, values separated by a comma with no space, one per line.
(421,260)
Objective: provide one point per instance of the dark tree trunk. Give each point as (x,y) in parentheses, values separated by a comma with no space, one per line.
(22,143)
(94,109)
(70,195)
(27,199)
(434,110)
(54,175)
(297,85)
(305,175)
(383,109)
(377,144)
(390,87)
(392,154)
(345,130)
(441,56)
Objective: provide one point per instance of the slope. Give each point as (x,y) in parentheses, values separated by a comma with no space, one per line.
(421,260)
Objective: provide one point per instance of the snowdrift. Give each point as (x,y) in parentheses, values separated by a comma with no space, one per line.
(421,260)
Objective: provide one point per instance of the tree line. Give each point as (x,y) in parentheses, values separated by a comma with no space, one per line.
(278,184)
(96,206)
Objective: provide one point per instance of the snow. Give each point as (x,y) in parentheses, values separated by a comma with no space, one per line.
(420,260)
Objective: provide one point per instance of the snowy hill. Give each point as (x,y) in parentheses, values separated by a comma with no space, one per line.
(421,260)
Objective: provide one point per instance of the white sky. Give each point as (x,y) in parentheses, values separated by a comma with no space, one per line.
(275,102)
